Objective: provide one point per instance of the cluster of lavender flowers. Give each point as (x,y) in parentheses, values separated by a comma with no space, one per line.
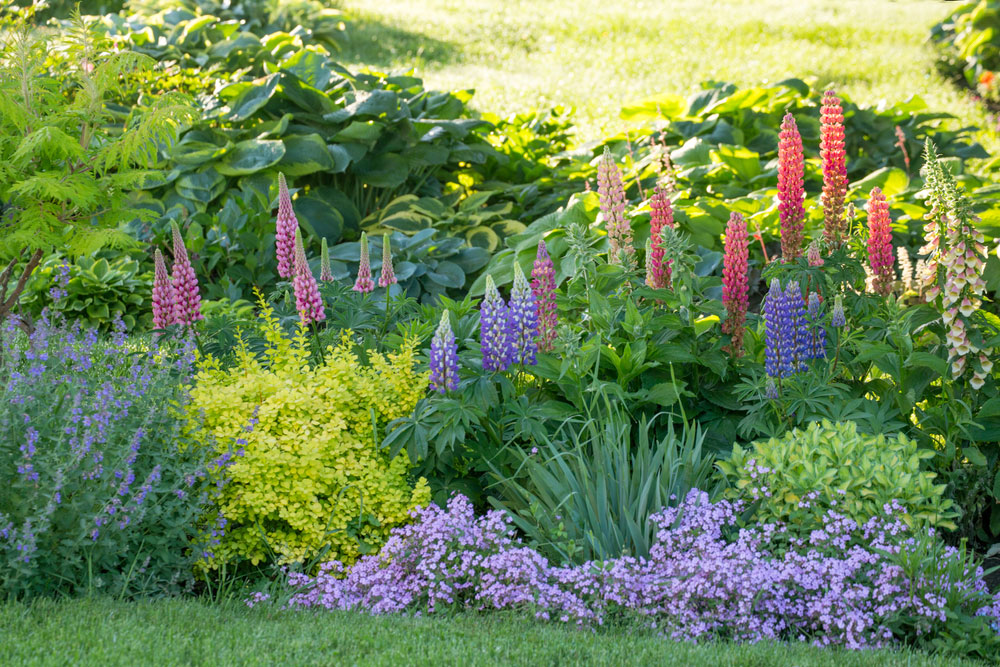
(92,430)
(840,585)
(793,333)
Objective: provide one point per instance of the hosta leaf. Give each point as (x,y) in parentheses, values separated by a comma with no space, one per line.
(250,156)
(384,170)
(247,98)
(305,154)
(203,186)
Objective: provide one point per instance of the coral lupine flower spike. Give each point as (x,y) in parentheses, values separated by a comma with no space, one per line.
(791,168)
(307,299)
(187,302)
(735,283)
(662,215)
(543,287)
(834,168)
(444,357)
(880,255)
(164,302)
(611,193)
(364,283)
(388,275)
(284,232)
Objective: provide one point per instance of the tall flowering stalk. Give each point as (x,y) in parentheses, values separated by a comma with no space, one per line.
(658,271)
(611,192)
(444,357)
(880,255)
(543,288)
(494,331)
(954,270)
(813,254)
(325,274)
(307,298)
(817,333)
(187,302)
(798,316)
(834,168)
(788,342)
(164,301)
(791,169)
(364,283)
(388,275)
(522,321)
(735,281)
(284,233)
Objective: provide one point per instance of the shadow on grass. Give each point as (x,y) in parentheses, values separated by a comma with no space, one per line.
(379,45)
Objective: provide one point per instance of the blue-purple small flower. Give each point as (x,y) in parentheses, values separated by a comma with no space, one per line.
(523,321)
(801,349)
(838,319)
(494,330)
(778,332)
(444,357)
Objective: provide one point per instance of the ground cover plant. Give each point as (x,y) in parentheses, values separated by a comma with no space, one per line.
(725,377)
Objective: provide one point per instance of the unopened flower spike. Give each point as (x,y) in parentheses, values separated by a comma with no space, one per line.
(325,274)
(388,275)
(364,283)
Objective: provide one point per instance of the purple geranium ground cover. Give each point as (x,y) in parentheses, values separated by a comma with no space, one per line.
(704,579)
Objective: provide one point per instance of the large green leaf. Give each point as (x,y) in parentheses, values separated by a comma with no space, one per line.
(327,211)
(250,156)
(365,132)
(248,97)
(656,108)
(383,170)
(892,180)
(305,96)
(305,154)
(203,186)
(744,162)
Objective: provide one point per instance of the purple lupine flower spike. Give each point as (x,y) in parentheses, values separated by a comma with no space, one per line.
(817,331)
(494,333)
(388,275)
(187,302)
(284,233)
(523,320)
(164,301)
(801,347)
(364,283)
(774,306)
(543,287)
(444,357)
(307,299)
(837,318)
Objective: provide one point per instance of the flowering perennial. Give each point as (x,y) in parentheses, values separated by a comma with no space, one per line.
(735,281)
(163,294)
(523,321)
(880,257)
(953,274)
(494,329)
(831,149)
(284,233)
(444,357)
(837,317)
(187,302)
(789,342)
(791,169)
(841,586)
(325,274)
(658,272)
(307,298)
(817,333)
(388,275)
(364,283)
(813,254)
(612,201)
(543,288)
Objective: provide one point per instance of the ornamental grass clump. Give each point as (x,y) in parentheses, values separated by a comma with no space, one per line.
(312,478)
(101,491)
(854,584)
(791,169)
(735,282)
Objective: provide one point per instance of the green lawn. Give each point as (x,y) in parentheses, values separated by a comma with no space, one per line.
(190,632)
(596,55)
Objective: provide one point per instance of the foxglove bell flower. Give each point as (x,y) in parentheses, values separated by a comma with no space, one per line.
(880,257)
(611,192)
(494,330)
(325,274)
(307,298)
(791,168)
(187,302)
(444,357)
(388,275)
(658,271)
(735,281)
(364,283)
(834,167)
(284,233)
(163,294)
(543,288)
(522,321)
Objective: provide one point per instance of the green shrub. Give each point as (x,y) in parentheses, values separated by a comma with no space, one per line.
(98,291)
(309,480)
(799,477)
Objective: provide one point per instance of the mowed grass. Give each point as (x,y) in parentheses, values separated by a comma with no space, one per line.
(596,55)
(189,632)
